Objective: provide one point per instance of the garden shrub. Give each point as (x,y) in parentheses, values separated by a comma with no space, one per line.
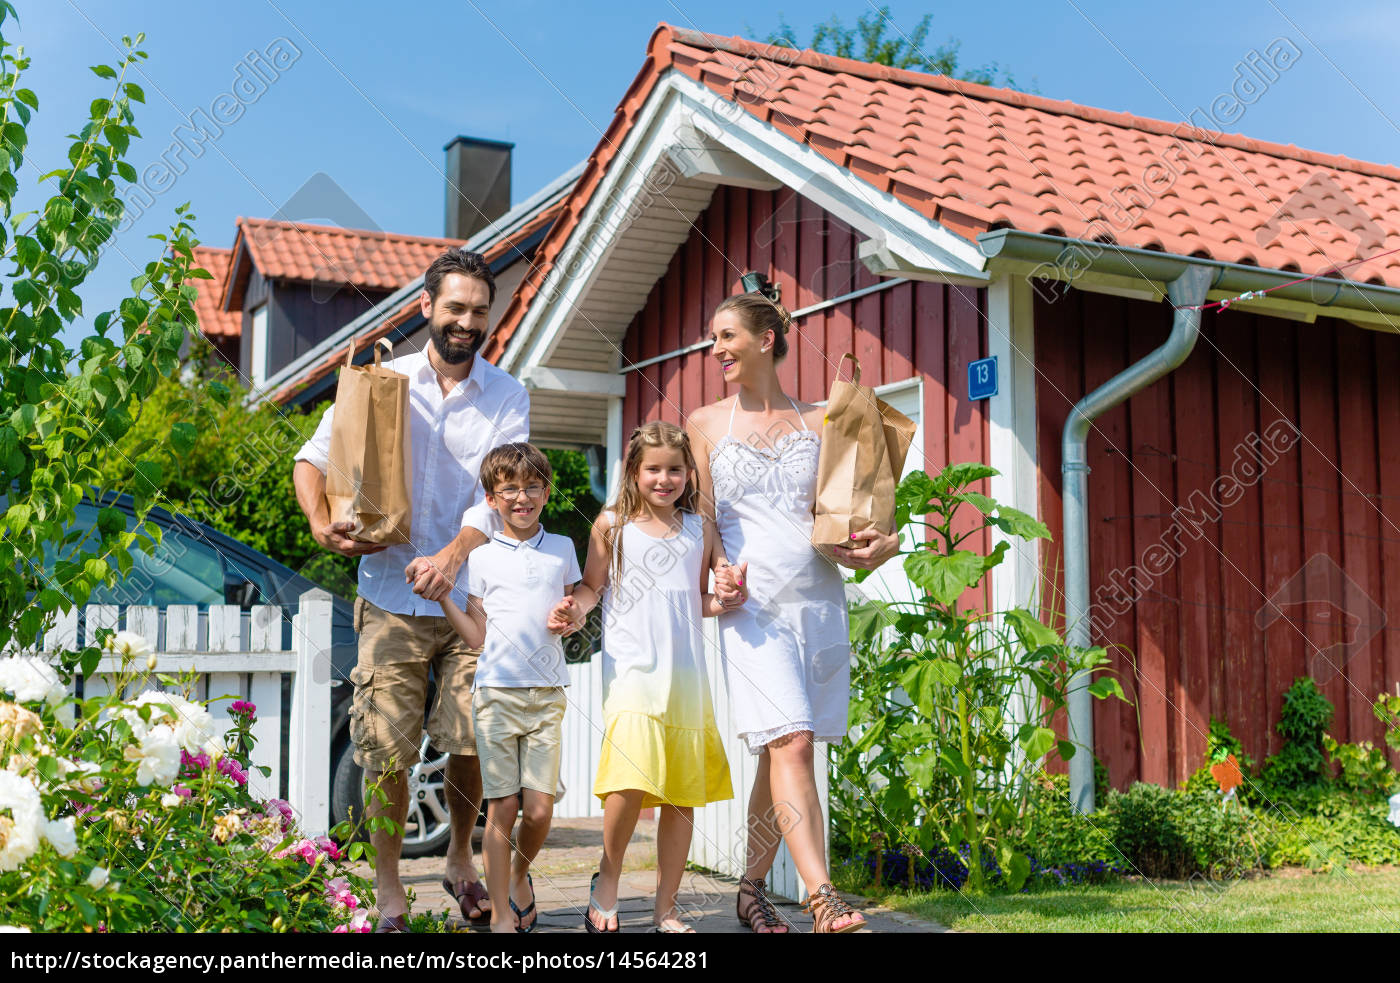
(1300,764)
(1177,834)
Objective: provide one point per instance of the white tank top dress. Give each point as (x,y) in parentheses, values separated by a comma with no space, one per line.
(787,652)
(660,734)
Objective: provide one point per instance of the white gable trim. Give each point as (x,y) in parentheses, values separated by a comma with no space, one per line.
(878,215)
(682,115)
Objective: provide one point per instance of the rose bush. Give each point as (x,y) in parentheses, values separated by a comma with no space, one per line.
(136,815)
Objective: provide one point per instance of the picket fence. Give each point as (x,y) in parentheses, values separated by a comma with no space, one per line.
(234,655)
(720,839)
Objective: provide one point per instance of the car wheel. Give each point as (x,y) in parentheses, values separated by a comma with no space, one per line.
(426,828)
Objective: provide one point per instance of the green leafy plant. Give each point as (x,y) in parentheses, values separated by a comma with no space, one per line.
(1300,764)
(1339,829)
(1387,710)
(61,411)
(952,705)
(1363,767)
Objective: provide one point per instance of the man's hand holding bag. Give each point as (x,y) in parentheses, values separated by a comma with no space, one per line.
(864,443)
(367,474)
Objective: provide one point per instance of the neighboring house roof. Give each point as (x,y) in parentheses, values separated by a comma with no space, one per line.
(214,322)
(976,158)
(303,253)
(519,229)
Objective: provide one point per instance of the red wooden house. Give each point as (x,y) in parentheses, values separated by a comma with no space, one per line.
(1244,519)
(924,223)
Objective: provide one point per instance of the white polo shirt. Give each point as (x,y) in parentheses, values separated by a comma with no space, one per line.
(519,583)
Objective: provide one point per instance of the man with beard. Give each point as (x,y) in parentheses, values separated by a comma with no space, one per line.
(461,406)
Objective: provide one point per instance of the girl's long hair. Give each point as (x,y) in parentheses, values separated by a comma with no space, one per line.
(629,504)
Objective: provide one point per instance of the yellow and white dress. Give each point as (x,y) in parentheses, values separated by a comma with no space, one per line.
(660,735)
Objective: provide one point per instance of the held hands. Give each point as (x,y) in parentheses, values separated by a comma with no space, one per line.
(429,577)
(336,538)
(869,548)
(566,617)
(729,585)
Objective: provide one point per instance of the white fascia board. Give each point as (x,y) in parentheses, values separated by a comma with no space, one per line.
(876,214)
(575,381)
(591,239)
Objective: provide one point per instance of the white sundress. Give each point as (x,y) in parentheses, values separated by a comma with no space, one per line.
(660,734)
(787,652)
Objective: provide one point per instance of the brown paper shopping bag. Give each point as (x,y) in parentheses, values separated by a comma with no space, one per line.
(864,443)
(368,474)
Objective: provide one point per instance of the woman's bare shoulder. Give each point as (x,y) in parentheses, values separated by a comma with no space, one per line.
(812,414)
(703,419)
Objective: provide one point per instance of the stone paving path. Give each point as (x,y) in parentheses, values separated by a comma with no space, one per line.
(570,857)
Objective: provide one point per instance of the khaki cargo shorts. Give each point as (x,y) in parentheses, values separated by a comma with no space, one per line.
(519,730)
(396,652)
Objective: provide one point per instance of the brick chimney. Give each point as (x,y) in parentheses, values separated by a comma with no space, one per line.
(478,184)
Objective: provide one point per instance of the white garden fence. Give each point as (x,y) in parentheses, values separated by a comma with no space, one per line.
(720,839)
(240,656)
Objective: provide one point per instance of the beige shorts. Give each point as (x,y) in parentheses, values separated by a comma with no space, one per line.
(396,652)
(518,732)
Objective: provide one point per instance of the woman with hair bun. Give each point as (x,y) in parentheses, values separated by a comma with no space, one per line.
(787,651)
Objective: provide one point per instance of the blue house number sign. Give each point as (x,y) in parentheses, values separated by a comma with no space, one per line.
(982,378)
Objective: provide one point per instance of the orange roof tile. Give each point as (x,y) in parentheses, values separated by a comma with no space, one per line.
(328,254)
(392,320)
(213,320)
(976,158)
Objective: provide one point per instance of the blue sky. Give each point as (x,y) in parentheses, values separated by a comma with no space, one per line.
(378,89)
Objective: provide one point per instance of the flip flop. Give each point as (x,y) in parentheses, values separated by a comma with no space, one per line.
(470,897)
(607,913)
(520,915)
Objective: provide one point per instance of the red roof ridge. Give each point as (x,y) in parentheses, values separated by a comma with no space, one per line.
(665,33)
(342,230)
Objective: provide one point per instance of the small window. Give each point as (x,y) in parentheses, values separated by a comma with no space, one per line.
(258,370)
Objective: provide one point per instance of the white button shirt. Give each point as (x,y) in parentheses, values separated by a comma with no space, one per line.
(450,436)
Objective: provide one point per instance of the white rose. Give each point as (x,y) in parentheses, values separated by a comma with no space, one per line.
(157,756)
(194,727)
(20,833)
(31,680)
(128,643)
(13,928)
(170,800)
(62,836)
(98,878)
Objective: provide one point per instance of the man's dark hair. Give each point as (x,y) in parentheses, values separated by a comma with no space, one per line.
(458,260)
(514,462)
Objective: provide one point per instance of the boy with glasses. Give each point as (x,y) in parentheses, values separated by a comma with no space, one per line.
(513,583)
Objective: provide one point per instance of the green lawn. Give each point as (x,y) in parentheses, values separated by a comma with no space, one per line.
(1343,901)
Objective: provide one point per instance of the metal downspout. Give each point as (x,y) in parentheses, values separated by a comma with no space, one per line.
(1187,290)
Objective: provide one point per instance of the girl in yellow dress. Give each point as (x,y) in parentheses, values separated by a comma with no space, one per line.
(649,559)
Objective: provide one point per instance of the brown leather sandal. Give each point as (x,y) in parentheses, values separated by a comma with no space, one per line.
(759,911)
(825,907)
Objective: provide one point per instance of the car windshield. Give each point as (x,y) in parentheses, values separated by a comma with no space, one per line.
(181,569)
